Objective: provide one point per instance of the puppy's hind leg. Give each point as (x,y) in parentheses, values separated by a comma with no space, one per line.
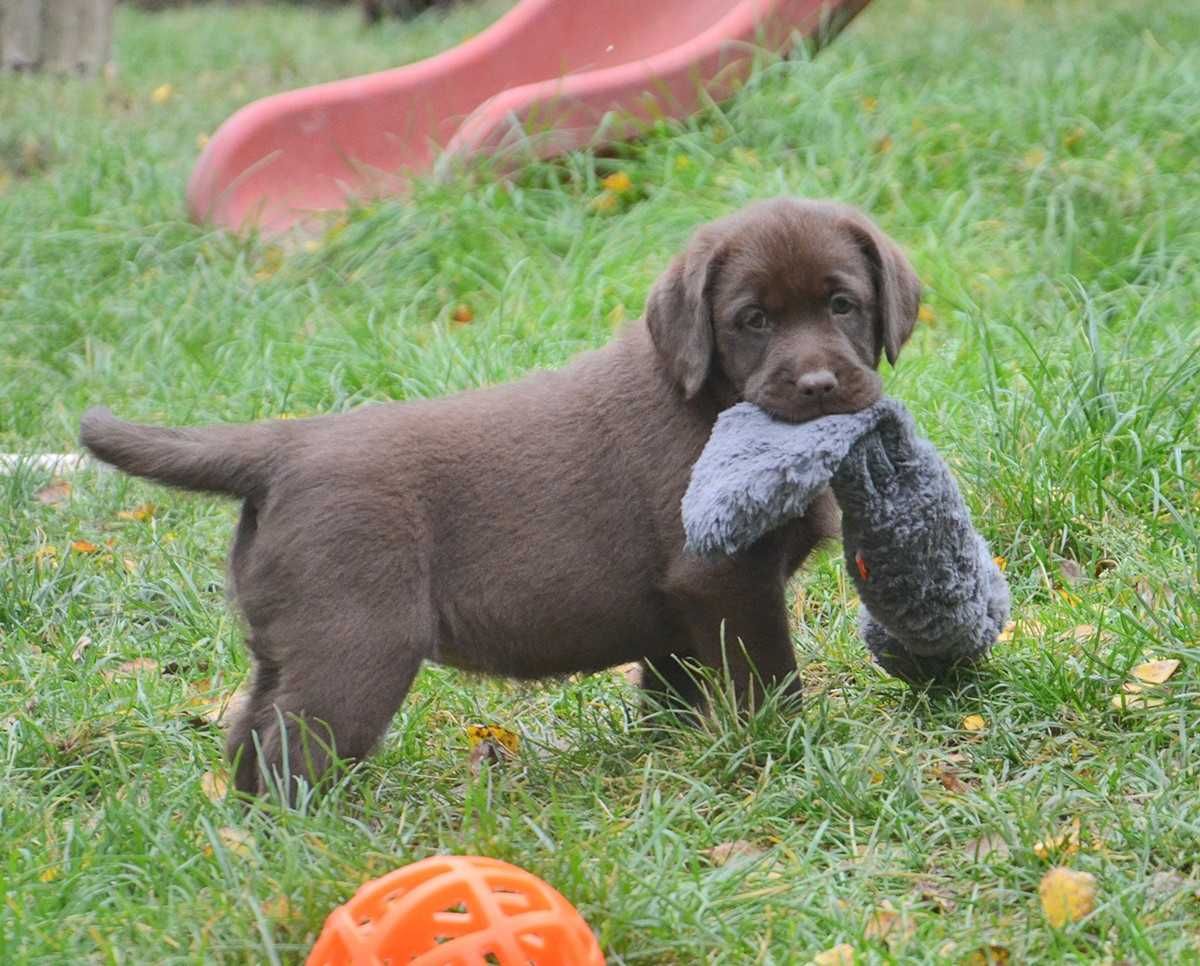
(240,745)
(340,684)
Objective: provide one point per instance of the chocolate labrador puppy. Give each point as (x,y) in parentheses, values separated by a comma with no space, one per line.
(533,528)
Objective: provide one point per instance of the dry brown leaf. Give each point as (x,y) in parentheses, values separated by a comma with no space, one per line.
(214,786)
(486,752)
(1155,672)
(631,673)
(985,845)
(1067,895)
(81,645)
(941,899)
(1056,846)
(84,546)
(974,722)
(1072,572)
(139,513)
(236,840)
(840,955)
(1141,586)
(136,666)
(1162,885)
(726,852)
(951,782)
(889,926)
(54,494)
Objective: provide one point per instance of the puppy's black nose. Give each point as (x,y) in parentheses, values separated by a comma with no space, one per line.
(817,384)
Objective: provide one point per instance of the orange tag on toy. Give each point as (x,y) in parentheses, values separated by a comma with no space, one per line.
(863,570)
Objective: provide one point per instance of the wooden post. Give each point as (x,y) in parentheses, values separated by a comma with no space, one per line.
(66,36)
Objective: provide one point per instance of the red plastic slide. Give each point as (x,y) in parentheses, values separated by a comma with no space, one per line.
(548,77)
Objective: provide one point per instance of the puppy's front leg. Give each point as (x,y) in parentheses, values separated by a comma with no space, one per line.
(745,632)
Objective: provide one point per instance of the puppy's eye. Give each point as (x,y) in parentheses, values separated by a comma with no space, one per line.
(755,320)
(842,304)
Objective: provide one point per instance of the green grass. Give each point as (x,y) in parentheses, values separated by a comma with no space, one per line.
(1039,162)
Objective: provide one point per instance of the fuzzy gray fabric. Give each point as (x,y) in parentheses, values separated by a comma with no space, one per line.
(932,595)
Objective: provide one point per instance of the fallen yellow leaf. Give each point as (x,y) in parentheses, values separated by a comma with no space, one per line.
(236,840)
(1021,628)
(84,546)
(1065,843)
(1136,702)
(1033,158)
(987,956)
(214,786)
(974,722)
(606,201)
(1001,562)
(925,314)
(272,262)
(884,144)
(840,955)
(618,182)
(1155,672)
(162,93)
(46,554)
(278,908)
(870,103)
(463,313)
(1067,895)
(478,733)
(139,513)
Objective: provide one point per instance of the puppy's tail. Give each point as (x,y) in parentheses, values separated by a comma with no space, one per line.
(234,460)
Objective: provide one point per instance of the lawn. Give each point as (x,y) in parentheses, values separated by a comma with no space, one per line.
(1037,159)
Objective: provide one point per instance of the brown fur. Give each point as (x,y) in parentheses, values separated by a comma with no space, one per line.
(534,528)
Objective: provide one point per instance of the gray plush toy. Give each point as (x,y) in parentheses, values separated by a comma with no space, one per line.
(932,595)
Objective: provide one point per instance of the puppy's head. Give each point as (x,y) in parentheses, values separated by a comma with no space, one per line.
(788,304)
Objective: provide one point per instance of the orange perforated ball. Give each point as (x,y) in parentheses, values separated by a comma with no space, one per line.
(456,909)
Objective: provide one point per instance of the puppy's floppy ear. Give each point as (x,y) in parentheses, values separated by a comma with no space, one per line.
(897,288)
(679,316)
